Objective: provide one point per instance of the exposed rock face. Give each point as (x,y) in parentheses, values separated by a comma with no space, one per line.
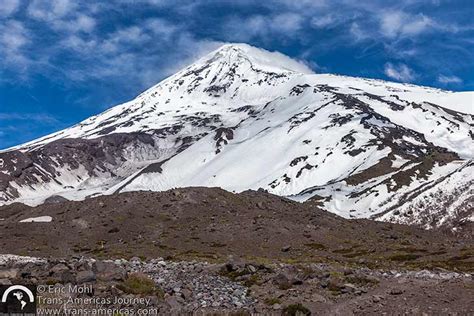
(243,118)
(74,164)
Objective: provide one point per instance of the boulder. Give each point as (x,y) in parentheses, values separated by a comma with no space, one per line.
(315,297)
(349,288)
(53,199)
(292,275)
(395,291)
(9,274)
(66,277)
(5,282)
(173,303)
(282,281)
(85,276)
(108,271)
(58,269)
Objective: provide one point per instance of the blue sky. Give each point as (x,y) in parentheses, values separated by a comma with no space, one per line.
(62,61)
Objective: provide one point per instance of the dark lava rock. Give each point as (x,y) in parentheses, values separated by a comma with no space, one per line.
(108,271)
(55,199)
(85,276)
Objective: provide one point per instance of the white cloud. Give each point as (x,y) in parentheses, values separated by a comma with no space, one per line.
(85,23)
(79,44)
(132,34)
(449,79)
(13,39)
(50,10)
(161,27)
(302,4)
(79,23)
(286,22)
(42,118)
(13,36)
(263,27)
(399,72)
(323,21)
(398,23)
(148,48)
(189,49)
(8,7)
(144,52)
(120,42)
(418,24)
(64,16)
(152,2)
(391,23)
(357,33)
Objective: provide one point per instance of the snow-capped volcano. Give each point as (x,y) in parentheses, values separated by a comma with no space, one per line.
(244,118)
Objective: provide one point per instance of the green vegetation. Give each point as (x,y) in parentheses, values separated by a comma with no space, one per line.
(403,257)
(360,280)
(252,280)
(233,275)
(239,313)
(316,246)
(356,254)
(284,286)
(435,253)
(295,309)
(52,281)
(242,275)
(140,284)
(343,250)
(217,245)
(335,288)
(411,249)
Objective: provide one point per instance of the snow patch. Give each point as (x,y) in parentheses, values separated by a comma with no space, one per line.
(39,219)
(6,258)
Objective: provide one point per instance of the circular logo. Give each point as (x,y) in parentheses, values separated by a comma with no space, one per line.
(18,298)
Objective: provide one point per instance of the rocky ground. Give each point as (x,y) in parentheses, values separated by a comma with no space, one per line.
(243,288)
(237,254)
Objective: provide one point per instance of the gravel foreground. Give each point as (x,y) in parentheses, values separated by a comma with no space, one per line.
(237,287)
(206,251)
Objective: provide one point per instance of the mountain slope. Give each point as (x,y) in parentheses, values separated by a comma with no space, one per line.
(243,118)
